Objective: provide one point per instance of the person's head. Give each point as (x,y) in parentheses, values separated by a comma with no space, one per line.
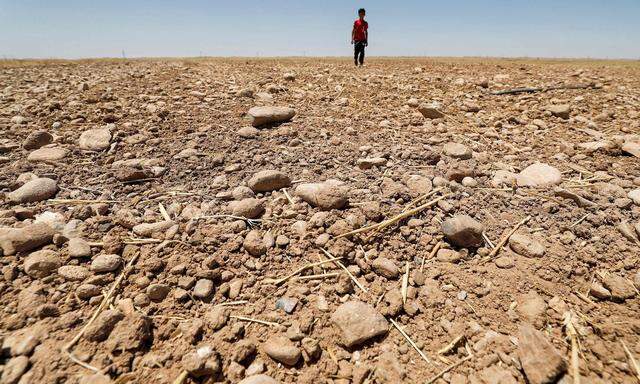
(361,13)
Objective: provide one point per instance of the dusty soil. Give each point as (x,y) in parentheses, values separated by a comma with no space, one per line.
(200,303)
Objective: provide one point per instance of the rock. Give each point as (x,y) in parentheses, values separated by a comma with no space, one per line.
(22,342)
(47,154)
(469,182)
(328,195)
(539,175)
(448,255)
(203,362)
(106,263)
(562,111)
(358,322)
(87,291)
(103,325)
(259,379)
(419,185)
(248,132)
(37,139)
(621,289)
(540,360)
(430,111)
(463,231)
(79,248)
(282,350)
(254,244)
(157,292)
(73,272)
(203,289)
(627,231)
(249,207)
(504,262)
(27,238)
(149,229)
(33,191)
(632,148)
(505,178)
(216,318)
(42,263)
(635,196)
(287,304)
(130,334)
(371,162)
(97,139)
(457,151)
(385,267)
(96,378)
(268,180)
(526,246)
(532,306)
(270,115)
(599,292)
(289,76)
(14,369)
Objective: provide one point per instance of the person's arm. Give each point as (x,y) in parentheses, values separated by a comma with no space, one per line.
(366,37)
(353,34)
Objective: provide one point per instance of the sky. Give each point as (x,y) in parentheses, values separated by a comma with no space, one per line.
(161,28)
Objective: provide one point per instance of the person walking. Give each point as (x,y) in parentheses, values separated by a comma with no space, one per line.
(360,37)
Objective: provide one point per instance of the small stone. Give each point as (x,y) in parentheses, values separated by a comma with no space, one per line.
(419,185)
(457,151)
(358,322)
(41,263)
(287,304)
(621,289)
(97,139)
(541,362)
(385,267)
(47,154)
(270,115)
(254,244)
(599,292)
(248,132)
(448,255)
(33,191)
(20,240)
(203,289)
(503,178)
(87,291)
(463,231)
(526,246)
(216,318)
(14,369)
(250,208)
(504,262)
(371,162)
(102,326)
(430,111)
(328,195)
(149,229)
(203,362)
(469,182)
(562,111)
(78,247)
(73,272)
(106,263)
(539,175)
(37,139)
(281,349)
(627,231)
(157,292)
(269,180)
(258,379)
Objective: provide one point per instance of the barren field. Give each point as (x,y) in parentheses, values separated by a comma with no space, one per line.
(304,221)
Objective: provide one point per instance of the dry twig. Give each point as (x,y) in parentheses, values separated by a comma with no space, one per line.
(404,334)
(504,240)
(301,269)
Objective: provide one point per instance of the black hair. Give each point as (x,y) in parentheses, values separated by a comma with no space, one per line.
(361,10)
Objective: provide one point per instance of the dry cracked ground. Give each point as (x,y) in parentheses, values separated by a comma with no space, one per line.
(304,221)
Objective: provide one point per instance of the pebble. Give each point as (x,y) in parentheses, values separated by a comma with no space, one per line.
(39,189)
(268,180)
(103,325)
(203,362)
(270,115)
(248,132)
(370,162)
(463,231)
(541,362)
(149,229)
(287,304)
(430,111)
(457,151)
(526,246)
(79,247)
(216,318)
(203,289)
(157,292)
(504,262)
(282,350)
(37,139)
(254,244)
(385,267)
(621,289)
(358,322)
(14,369)
(448,255)
(250,208)
(539,175)
(74,272)
(27,238)
(106,263)
(328,195)
(258,379)
(87,291)
(97,139)
(42,263)
(562,111)
(47,154)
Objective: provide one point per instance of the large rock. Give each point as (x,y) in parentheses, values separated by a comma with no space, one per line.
(540,360)
(463,231)
(330,194)
(282,350)
(539,175)
(106,263)
(269,180)
(47,154)
(33,191)
(37,139)
(526,246)
(19,240)
(97,139)
(634,195)
(42,263)
(358,322)
(270,115)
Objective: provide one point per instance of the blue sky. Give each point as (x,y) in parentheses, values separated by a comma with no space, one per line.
(534,28)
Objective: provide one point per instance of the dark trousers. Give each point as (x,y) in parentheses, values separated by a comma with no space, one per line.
(358,55)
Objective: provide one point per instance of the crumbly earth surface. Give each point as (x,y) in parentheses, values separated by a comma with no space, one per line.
(152,226)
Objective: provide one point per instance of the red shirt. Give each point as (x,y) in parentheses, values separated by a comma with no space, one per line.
(360,27)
